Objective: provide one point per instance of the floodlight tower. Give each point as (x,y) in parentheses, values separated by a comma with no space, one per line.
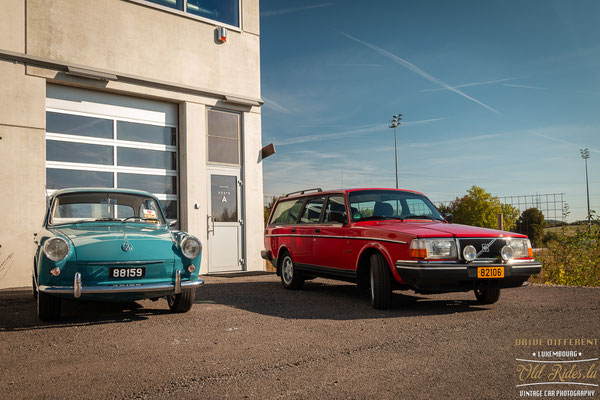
(585,154)
(394,123)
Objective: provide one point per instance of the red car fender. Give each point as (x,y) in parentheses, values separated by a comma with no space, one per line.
(383,250)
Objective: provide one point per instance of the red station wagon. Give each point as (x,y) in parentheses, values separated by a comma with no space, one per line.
(388,239)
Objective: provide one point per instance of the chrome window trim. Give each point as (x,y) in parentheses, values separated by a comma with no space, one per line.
(336,237)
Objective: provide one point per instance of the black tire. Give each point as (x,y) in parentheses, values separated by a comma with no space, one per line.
(182,302)
(48,307)
(487,296)
(35,291)
(381,282)
(291,278)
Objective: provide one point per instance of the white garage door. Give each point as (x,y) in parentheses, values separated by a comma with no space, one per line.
(96,139)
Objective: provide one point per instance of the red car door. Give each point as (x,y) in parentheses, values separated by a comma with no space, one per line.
(304,232)
(331,247)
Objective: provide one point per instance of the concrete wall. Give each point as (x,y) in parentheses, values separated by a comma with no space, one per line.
(22,171)
(126,37)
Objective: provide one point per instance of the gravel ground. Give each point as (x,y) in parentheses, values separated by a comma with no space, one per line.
(247,337)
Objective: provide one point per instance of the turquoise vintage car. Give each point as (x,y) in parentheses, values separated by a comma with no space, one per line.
(112,245)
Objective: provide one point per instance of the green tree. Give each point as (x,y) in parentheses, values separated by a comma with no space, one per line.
(531,223)
(480,208)
(269,206)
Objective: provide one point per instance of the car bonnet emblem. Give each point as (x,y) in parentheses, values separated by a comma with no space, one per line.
(485,247)
(126,246)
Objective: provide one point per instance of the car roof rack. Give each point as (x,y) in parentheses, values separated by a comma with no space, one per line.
(304,191)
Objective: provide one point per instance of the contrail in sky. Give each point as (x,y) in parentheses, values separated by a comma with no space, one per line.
(470,84)
(418,70)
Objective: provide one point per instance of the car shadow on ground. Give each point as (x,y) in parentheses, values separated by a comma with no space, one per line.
(18,312)
(323,299)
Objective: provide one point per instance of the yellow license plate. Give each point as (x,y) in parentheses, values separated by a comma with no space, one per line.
(490,272)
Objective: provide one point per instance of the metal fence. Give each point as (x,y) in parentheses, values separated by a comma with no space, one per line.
(550,204)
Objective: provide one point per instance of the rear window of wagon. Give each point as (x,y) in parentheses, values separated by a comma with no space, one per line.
(286,212)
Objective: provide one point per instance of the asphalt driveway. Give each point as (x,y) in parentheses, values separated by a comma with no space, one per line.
(247,337)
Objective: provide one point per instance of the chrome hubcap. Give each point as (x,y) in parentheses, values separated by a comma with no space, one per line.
(288,270)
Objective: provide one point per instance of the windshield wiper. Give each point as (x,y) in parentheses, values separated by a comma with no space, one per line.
(422,217)
(106,219)
(379,217)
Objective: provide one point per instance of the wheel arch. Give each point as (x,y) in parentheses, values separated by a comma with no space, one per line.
(363,264)
(282,250)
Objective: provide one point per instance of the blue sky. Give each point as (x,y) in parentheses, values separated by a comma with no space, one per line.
(499,94)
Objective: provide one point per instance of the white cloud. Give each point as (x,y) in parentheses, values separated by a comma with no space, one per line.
(271,13)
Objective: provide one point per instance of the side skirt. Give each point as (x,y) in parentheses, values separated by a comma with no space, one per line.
(328,272)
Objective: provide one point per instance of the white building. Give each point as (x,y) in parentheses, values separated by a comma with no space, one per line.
(140,94)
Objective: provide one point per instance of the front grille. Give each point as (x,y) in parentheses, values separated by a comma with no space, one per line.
(494,247)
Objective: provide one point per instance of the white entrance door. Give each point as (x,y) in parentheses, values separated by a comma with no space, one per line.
(225,221)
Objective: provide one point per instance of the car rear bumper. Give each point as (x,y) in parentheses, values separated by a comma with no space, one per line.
(439,277)
(77,290)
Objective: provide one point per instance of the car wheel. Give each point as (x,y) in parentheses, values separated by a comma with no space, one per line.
(381,282)
(48,307)
(290,277)
(487,296)
(182,302)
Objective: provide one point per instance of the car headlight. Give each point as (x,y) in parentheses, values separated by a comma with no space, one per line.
(191,247)
(433,248)
(56,249)
(521,248)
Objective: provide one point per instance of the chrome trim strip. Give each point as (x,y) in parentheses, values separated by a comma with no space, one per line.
(77,286)
(461,268)
(337,237)
(531,265)
(122,262)
(177,282)
(160,287)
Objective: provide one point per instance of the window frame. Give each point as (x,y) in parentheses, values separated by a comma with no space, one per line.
(240,141)
(186,14)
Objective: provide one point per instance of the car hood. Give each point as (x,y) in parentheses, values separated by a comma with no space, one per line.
(104,242)
(439,229)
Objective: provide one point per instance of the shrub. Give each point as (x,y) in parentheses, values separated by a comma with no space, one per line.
(572,259)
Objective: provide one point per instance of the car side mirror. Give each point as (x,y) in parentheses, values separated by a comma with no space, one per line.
(449,217)
(337,216)
(172,223)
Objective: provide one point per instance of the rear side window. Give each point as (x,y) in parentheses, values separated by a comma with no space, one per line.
(286,212)
(312,211)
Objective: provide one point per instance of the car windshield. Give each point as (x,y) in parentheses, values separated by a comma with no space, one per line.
(105,206)
(371,205)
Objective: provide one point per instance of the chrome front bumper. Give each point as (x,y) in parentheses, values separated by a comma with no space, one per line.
(78,289)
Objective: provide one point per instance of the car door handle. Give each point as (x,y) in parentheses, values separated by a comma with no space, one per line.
(317,230)
(293,230)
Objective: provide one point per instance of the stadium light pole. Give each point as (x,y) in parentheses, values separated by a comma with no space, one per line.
(585,154)
(394,123)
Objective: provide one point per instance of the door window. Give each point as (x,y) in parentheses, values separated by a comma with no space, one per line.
(335,204)
(223,202)
(312,211)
